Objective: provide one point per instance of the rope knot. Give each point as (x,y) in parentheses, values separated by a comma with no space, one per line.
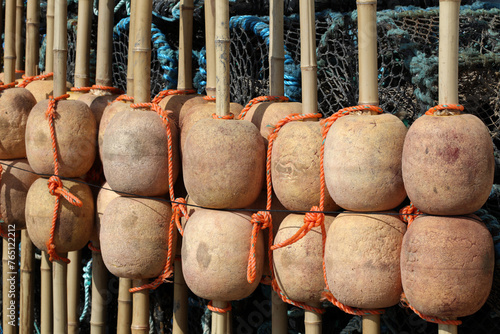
(262,218)
(409,213)
(179,210)
(54,185)
(314,219)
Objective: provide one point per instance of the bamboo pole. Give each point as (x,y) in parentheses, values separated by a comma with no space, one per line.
(371,324)
(32,37)
(312,321)
(180,312)
(124,317)
(104,73)
(19,34)
(9,59)
(59,275)
(447,329)
(184,79)
(308,66)
(219,320)
(27,284)
(46,295)
(448,51)
(9,286)
(222,56)
(73,283)
(49,46)
(130,61)
(99,296)
(210,46)
(1,25)
(279,317)
(140,309)
(367,52)
(82,59)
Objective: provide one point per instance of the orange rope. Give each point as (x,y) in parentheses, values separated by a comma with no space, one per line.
(436,320)
(167,92)
(27,80)
(6,86)
(230,116)
(112,90)
(81,89)
(441,107)
(55,184)
(178,208)
(19,71)
(409,213)
(209,98)
(260,99)
(93,248)
(217,309)
(124,97)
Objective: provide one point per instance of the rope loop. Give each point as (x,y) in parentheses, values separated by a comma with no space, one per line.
(209,98)
(260,99)
(81,89)
(217,309)
(179,209)
(445,107)
(6,86)
(27,80)
(405,303)
(327,295)
(409,213)
(93,248)
(124,97)
(327,123)
(230,116)
(260,220)
(167,92)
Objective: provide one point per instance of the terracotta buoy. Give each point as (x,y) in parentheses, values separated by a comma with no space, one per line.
(299,267)
(448,164)
(215,253)
(42,89)
(447,265)
(133,237)
(234,178)
(16,180)
(362,259)
(74,225)
(363,162)
(295,166)
(98,100)
(76,132)
(104,197)
(15,106)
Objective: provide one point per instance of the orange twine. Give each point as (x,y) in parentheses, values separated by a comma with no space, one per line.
(55,184)
(217,309)
(230,116)
(209,98)
(441,107)
(27,80)
(6,86)
(259,99)
(19,71)
(178,205)
(405,303)
(409,213)
(93,248)
(112,90)
(167,92)
(124,97)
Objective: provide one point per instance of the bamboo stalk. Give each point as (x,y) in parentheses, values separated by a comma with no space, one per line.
(1,25)
(210,46)
(140,310)
(49,46)
(27,284)
(82,58)
(32,37)
(9,290)
(279,315)
(448,51)
(59,277)
(277,50)
(184,79)
(99,289)
(312,322)
(371,324)
(180,313)
(124,317)
(9,59)
(308,64)
(130,61)
(142,52)
(222,57)
(73,282)
(447,329)
(60,47)
(219,320)
(367,52)
(104,73)
(19,34)
(46,295)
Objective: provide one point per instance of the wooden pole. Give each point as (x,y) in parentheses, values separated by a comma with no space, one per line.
(219,320)
(448,51)
(210,46)
(99,293)
(32,37)
(82,58)
(367,52)
(46,295)
(104,73)
(73,283)
(222,42)
(49,46)
(180,313)
(447,329)
(184,79)
(124,317)
(27,285)
(59,276)
(312,322)
(19,34)
(9,59)
(371,324)
(279,315)
(140,309)
(130,61)
(308,67)
(9,286)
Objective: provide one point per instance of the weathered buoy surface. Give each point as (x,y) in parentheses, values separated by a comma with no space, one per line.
(133,237)
(16,181)
(447,265)
(295,166)
(299,267)
(76,135)
(180,104)
(201,111)
(15,106)
(363,162)
(97,100)
(74,224)
(266,114)
(104,197)
(215,251)
(109,112)
(362,257)
(223,163)
(42,89)
(135,153)
(448,164)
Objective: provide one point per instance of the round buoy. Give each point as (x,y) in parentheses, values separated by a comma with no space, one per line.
(42,89)
(104,197)
(97,100)
(111,110)
(447,265)
(180,104)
